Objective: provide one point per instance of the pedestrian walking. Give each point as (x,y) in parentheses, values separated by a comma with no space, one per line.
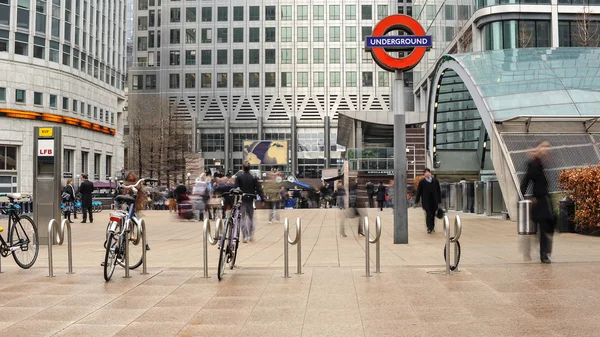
(68,200)
(429,194)
(341,195)
(86,188)
(381,194)
(542,212)
(250,185)
(370,193)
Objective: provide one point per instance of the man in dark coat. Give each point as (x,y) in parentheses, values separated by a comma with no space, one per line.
(370,193)
(430,195)
(381,193)
(86,188)
(542,212)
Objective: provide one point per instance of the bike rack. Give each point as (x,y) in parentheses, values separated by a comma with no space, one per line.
(60,237)
(141,233)
(287,240)
(208,238)
(376,241)
(454,240)
(127,238)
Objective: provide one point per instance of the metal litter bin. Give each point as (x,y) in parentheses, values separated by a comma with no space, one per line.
(479,187)
(524,224)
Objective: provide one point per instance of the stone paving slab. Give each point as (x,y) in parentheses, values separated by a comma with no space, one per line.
(495,293)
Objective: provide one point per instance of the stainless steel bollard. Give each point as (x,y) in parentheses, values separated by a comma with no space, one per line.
(479,187)
(60,239)
(299,244)
(447,234)
(524,224)
(142,228)
(127,238)
(208,238)
(489,198)
(368,241)
(287,240)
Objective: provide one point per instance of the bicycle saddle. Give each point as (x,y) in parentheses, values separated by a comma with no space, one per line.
(13,195)
(125,198)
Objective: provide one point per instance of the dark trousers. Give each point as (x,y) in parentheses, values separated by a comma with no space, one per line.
(546,228)
(68,215)
(87,211)
(380,205)
(247,211)
(430,220)
(371,203)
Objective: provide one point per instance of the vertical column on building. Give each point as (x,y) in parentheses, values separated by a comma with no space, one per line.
(327,138)
(194,135)
(259,128)
(554,23)
(227,149)
(294,146)
(358,141)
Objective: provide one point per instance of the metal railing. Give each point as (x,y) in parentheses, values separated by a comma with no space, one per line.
(59,232)
(297,241)
(376,241)
(208,238)
(454,240)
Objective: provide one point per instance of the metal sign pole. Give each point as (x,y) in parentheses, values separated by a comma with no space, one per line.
(400,207)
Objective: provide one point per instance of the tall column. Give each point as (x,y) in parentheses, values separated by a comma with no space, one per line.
(358,143)
(400,208)
(554,24)
(294,146)
(259,128)
(326,135)
(194,135)
(227,158)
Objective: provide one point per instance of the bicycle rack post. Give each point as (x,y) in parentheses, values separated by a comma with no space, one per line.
(454,240)
(287,240)
(60,238)
(127,238)
(447,234)
(208,238)
(368,241)
(142,228)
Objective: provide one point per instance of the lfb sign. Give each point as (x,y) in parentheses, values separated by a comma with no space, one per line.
(45,148)
(379,44)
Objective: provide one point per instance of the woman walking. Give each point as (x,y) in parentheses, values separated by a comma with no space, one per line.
(68,200)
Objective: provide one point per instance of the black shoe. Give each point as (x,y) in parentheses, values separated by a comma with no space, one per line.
(83,221)
(91,221)
(147,247)
(545,260)
(429,231)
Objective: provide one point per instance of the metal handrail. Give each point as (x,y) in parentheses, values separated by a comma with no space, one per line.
(376,241)
(297,241)
(54,231)
(208,238)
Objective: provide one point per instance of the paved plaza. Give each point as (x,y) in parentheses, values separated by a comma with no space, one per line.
(495,293)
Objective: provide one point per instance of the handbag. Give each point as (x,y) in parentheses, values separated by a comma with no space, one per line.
(440,213)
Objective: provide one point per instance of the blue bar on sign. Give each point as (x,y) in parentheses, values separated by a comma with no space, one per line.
(399,42)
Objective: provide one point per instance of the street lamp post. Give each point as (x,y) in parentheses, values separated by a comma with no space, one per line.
(188,178)
(414,159)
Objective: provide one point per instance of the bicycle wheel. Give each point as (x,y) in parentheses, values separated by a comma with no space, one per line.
(236,243)
(24,234)
(224,249)
(135,248)
(110,258)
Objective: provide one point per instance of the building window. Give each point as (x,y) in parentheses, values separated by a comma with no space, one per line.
(174,81)
(89,111)
(334,55)
(82,108)
(206,14)
(95,111)
(97,165)
(20,96)
(254,56)
(254,80)
(367,57)
(190,14)
(318,34)
(238,80)
(318,55)
(190,35)
(21,43)
(206,80)
(254,13)
(2,94)
(350,55)
(238,13)
(302,34)
(206,35)
(175,36)
(366,12)
(4,33)
(174,57)
(39,46)
(270,80)
(84,162)
(75,105)
(334,34)
(222,56)
(238,56)
(190,81)
(190,57)
(68,161)
(222,14)
(350,34)
(254,34)
(382,11)
(319,79)
(302,12)
(206,57)
(221,80)
(38,98)
(270,56)
(318,12)
(286,56)
(286,79)
(212,142)
(286,13)
(270,13)
(238,35)
(367,79)
(351,79)
(269,34)
(286,34)
(383,79)
(302,55)
(175,14)
(334,12)
(53,101)
(350,12)
(150,81)
(222,35)
(334,79)
(108,166)
(65,103)
(366,31)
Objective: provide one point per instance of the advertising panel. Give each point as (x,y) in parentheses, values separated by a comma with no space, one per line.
(266,152)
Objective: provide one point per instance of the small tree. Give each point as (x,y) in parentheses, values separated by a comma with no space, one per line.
(525,36)
(586,32)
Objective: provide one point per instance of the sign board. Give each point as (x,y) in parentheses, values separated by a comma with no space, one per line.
(266,152)
(416,40)
(45,147)
(45,132)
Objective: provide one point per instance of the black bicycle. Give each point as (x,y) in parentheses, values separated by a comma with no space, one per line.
(22,234)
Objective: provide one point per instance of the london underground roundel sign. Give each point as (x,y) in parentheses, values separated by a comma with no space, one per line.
(379,44)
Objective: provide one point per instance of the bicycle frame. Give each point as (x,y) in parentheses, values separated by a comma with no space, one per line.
(13,219)
(235,216)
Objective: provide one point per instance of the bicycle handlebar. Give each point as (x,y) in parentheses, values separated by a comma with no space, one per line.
(133,187)
(238,192)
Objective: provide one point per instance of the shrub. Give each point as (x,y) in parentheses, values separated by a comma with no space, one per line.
(583,187)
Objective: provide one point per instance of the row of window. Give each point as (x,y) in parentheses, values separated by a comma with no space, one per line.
(270,13)
(302,56)
(302,80)
(69,161)
(67,104)
(487,3)
(308,140)
(51,51)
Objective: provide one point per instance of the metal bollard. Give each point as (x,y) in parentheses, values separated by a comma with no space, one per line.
(524,224)
(377,246)
(127,238)
(450,239)
(287,240)
(142,228)
(447,234)
(208,238)
(60,238)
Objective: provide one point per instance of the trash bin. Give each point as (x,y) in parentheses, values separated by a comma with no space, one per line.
(459,197)
(524,224)
(567,213)
(479,187)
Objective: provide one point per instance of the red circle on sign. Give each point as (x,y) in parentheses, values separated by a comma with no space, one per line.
(398,22)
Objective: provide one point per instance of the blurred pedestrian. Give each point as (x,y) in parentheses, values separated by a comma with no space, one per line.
(341,195)
(542,212)
(370,193)
(86,188)
(429,194)
(68,199)
(381,194)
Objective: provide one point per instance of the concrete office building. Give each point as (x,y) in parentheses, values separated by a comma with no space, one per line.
(503,76)
(248,70)
(62,64)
